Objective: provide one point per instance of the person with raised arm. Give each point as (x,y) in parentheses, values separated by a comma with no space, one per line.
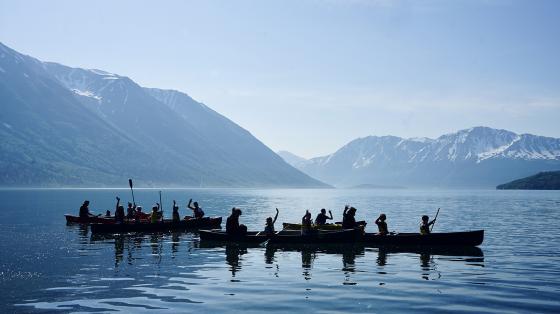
(119,211)
(156,214)
(269,227)
(349,218)
(322,217)
(197,211)
(306,223)
(176,217)
(382,225)
(425,225)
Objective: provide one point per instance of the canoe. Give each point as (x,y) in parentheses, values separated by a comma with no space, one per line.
(89,220)
(166,225)
(334,226)
(284,236)
(451,239)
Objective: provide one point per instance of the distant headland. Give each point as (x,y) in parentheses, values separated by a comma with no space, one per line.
(548,180)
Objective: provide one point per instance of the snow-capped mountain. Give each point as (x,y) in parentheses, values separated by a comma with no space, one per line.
(70,126)
(478,156)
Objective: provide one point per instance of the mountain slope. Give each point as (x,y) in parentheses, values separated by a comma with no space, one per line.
(476,157)
(71,126)
(541,181)
(293,159)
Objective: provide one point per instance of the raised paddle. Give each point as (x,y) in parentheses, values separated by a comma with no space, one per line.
(161,205)
(434,220)
(131,190)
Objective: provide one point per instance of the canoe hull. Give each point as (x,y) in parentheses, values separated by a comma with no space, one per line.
(450,239)
(207,222)
(284,236)
(71,219)
(320,237)
(222,236)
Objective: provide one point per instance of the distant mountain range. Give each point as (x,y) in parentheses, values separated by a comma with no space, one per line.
(63,126)
(549,180)
(476,157)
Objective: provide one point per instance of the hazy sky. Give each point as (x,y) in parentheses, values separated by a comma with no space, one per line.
(309,76)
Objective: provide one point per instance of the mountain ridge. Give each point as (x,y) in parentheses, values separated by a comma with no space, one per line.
(64,126)
(475,157)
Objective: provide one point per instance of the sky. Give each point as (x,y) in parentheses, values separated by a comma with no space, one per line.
(309,76)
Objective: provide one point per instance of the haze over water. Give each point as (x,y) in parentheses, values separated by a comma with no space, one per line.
(46,266)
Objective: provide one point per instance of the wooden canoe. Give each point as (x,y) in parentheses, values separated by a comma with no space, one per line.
(166,225)
(451,239)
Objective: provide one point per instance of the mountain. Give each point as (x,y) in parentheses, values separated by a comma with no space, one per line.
(293,159)
(541,181)
(476,157)
(64,126)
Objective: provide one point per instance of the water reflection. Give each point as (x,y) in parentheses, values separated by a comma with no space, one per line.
(129,247)
(233,254)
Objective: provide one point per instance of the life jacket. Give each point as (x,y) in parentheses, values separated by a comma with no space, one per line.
(154,217)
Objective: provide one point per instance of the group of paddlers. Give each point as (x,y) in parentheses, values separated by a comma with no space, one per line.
(233,227)
(308,226)
(135,213)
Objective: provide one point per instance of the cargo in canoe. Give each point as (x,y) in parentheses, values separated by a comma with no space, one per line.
(166,225)
(451,239)
(334,226)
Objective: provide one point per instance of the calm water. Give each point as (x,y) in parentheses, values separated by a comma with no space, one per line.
(46,266)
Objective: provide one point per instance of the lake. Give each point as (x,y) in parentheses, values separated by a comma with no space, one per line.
(47,266)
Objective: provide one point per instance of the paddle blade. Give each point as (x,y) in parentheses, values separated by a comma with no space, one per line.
(130,183)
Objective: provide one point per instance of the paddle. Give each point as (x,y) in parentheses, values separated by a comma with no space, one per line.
(161,205)
(434,220)
(131,190)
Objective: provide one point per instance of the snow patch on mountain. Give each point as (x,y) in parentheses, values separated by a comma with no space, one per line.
(496,151)
(86,93)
